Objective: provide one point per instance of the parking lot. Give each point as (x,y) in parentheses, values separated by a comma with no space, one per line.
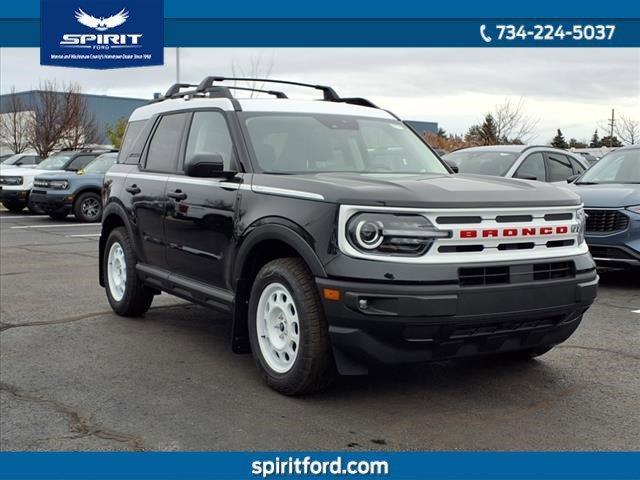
(77,377)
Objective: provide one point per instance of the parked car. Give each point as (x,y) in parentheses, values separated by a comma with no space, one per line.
(545,164)
(59,194)
(335,237)
(16,182)
(610,191)
(593,154)
(26,159)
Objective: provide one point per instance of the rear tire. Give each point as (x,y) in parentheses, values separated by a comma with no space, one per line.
(127,295)
(288,330)
(13,207)
(88,207)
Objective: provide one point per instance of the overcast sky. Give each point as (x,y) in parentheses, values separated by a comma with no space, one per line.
(572,89)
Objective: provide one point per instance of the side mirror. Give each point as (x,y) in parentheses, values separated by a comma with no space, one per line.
(525,176)
(452,166)
(206,165)
(572,178)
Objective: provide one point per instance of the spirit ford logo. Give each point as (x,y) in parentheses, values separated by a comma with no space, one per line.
(101,24)
(515,232)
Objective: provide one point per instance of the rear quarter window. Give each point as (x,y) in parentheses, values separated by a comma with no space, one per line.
(131,135)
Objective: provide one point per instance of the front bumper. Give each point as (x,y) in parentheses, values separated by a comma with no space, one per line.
(52,202)
(13,195)
(393,323)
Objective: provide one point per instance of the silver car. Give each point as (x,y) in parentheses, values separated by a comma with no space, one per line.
(545,164)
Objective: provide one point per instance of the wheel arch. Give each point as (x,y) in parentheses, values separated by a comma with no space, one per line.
(263,244)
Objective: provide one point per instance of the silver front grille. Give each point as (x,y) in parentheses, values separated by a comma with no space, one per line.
(485,235)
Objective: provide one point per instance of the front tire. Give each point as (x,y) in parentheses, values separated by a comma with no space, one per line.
(13,207)
(88,207)
(288,330)
(58,215)
(127,295)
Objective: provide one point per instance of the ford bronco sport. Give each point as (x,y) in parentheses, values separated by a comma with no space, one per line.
(334,236)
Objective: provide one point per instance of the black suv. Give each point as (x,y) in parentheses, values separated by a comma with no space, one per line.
(334,236)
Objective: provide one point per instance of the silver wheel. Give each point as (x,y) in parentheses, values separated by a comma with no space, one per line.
(90,207)
(117,271)
(278,327)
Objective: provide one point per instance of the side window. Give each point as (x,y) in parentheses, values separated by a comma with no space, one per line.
(130,136)
(559,167)
(30,160)
(533,166)
(209,134)
(162,154)
(577,166)
(80,162)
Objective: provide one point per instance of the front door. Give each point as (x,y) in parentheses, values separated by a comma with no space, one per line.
(200,211)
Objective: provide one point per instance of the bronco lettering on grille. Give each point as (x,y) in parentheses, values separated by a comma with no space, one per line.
(514,232)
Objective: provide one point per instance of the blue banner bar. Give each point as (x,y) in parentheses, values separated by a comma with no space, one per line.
(372,33)
(367,9)
(211,466)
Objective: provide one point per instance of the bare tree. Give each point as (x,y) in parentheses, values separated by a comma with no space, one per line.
(257,68)
(512,122)
(60,118)
(82,128)
(14,123)
(628,130)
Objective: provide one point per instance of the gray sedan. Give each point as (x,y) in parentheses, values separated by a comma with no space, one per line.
(545,164)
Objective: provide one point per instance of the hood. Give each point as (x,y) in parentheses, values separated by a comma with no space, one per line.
(64,175)
(32,172)
(425,191)
(608,195)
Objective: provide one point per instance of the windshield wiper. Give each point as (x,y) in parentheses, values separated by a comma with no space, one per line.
(587,183)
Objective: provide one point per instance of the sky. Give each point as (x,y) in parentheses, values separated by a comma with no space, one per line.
(571,89)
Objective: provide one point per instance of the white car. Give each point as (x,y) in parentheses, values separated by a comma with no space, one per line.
(16,182)
(24,159)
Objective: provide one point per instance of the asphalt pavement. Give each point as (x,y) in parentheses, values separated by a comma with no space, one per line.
(74,376)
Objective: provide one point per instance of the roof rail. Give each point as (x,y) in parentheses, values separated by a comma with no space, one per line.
(329,93)
(207,86)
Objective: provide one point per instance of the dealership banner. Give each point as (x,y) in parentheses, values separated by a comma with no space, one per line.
(111,34)
(398,465)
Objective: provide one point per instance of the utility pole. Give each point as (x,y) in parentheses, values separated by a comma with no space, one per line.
(612,124)
(177,64)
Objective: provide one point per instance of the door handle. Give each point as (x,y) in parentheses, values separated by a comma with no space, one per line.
(133,189)
(177,195)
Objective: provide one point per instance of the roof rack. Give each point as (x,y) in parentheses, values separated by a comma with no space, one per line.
(207,87)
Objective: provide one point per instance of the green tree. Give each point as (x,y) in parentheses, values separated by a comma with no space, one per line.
(610,141)
(116,132)
(559,141)
(573,143)
(595,140)
(484,134)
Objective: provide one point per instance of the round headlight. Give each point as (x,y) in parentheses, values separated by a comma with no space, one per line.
(368,234)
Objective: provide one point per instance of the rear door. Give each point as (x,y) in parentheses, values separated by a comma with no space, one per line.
(200,211)
(147,187)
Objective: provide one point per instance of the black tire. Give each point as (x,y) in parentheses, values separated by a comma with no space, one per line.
(85,206)
(137,297)
(526,354)
(34,209)
(59,215)
(13,207)
(313,368)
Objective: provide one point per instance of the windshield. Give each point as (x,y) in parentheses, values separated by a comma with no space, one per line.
(621,166)
(11,160)
(483,162)
(311,143)
(101,164)
(54,162)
